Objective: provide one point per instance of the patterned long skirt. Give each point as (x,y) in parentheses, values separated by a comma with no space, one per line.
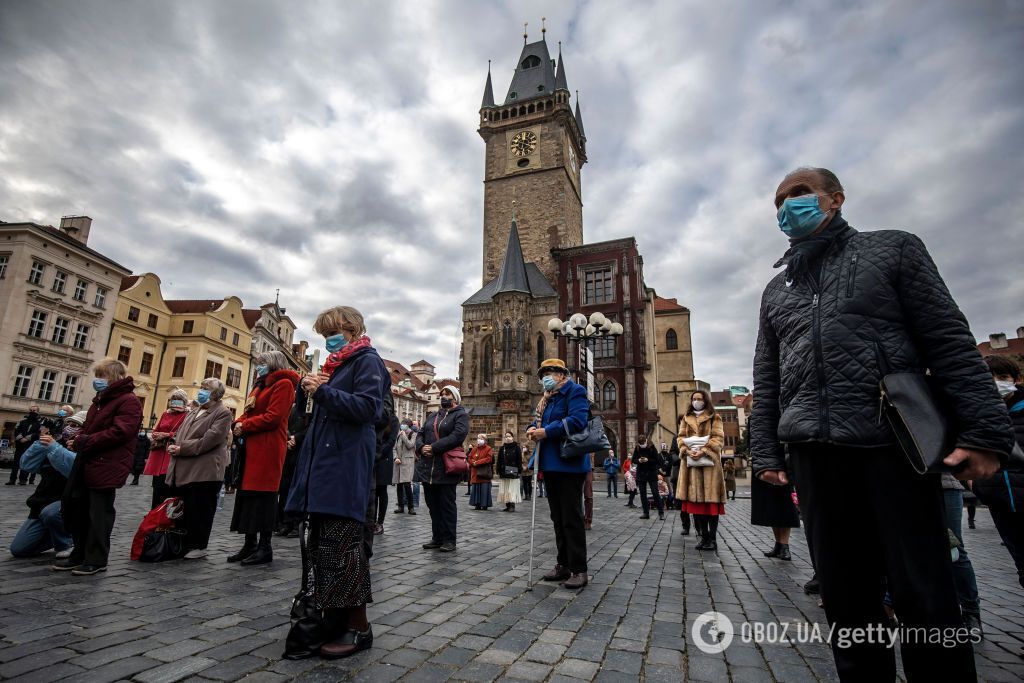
(341,570)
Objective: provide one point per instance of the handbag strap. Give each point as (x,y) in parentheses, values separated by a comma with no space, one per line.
(303,552)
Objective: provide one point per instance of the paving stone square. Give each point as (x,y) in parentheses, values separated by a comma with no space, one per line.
(465,616)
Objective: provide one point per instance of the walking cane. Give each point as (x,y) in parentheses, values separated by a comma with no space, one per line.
(533,514)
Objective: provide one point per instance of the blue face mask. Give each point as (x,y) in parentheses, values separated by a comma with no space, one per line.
(62,413)
(800,216)
(548,382)
(262,370)
(335,343)
(203,397)
(100,384)
(177,404)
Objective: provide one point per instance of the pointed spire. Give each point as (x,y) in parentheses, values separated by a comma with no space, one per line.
(579,117)
(512,277)
(525,34)
(561,83)
(543,28)
(488,100)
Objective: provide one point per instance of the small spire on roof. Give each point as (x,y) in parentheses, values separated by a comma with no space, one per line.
(525,34)
(543,28)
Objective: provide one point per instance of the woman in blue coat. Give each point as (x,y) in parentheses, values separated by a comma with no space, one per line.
(333,475)
(564,478)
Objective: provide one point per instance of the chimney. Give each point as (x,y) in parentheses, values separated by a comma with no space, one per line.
(998,341)
(76,227)
(1020,333)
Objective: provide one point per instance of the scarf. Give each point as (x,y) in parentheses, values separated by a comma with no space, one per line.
(805,252)
(338,358)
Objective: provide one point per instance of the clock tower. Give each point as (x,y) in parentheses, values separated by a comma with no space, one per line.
(535,148)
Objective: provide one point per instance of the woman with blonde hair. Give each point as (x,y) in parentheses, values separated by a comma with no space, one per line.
(333,483)
(163,434)
(701,485)
(105,448)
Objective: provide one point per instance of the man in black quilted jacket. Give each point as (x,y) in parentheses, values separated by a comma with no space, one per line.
(849,308)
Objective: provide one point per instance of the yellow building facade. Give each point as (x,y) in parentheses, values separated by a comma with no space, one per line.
(177,343)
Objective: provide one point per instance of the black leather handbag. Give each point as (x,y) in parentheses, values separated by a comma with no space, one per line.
(589,440)
(163,545)
(914,410)
(309,630)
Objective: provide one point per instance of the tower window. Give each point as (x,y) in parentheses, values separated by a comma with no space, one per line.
(523,163)
(531,62)
(512,95)
(671,340)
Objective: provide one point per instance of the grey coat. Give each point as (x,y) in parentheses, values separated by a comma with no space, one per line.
(204,438)
(405,450)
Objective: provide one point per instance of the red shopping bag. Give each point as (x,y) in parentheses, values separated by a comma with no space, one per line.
(160,517)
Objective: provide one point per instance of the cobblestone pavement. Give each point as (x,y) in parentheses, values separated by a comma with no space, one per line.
(465,616)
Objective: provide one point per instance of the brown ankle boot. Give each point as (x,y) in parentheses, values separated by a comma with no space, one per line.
(559,573)
(576,581)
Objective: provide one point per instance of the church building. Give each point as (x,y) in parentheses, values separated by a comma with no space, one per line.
(536,266)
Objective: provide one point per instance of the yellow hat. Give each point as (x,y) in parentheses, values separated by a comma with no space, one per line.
(552,364)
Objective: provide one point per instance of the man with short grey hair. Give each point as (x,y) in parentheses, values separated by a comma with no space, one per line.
(849,308)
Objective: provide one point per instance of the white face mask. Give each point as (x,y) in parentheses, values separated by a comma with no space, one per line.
(480,442)
(698,406)
(1005,388)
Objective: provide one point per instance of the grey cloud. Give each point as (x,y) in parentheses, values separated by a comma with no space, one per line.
(277,132)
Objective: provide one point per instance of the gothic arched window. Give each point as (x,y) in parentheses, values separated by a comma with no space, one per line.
(609,395)
(540,349)
(520,345)
(487,362)
(506,345)
(531,62)
(671,341)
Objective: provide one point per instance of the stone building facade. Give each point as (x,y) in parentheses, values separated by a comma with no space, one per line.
(273,330)
(57,300)
(177,343)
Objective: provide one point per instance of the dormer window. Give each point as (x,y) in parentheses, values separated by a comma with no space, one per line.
(531,62)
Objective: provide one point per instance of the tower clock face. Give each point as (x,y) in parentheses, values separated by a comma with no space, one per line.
(524,143)
(572,159)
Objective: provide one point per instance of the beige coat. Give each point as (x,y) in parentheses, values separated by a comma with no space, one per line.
(204,439)
(701,484)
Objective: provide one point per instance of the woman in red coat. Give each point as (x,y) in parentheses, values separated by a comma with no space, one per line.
(263,429)
(480,473)
(106,448)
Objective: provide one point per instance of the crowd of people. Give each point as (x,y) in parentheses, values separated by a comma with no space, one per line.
(314,455)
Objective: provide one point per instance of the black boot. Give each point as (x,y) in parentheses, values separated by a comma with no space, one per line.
(248,549)
(784,552)
(511,507)
(263,555)
(774,552)
(712,538)
(412,511)
(702,532)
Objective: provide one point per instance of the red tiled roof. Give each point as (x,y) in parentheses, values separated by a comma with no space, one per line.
(193,305)
(422,362)
(662,304)
(1013,347)
(447,381)
(251,316)
(399,372)
(128,281)
(69,240)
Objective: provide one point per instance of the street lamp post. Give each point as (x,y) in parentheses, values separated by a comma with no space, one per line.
(582,331)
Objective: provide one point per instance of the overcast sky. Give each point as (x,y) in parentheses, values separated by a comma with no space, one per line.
(330,149)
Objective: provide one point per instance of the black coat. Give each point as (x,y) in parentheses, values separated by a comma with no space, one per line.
(141,454)
(451,427)
(27,426)
(387,434)
(510,455)
(647,471)
(879,305)
(995,491)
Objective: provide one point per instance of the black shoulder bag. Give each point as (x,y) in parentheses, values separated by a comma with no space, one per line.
(309,630)
(913,406)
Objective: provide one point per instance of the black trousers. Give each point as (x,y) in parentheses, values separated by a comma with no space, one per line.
(161,491)
(18,474)
(526,487)
(200,499)
(444,514)
(404,493)
(89,516)
(381,492)
(1010,526)
(653,484)
(872,521)
(564,493)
